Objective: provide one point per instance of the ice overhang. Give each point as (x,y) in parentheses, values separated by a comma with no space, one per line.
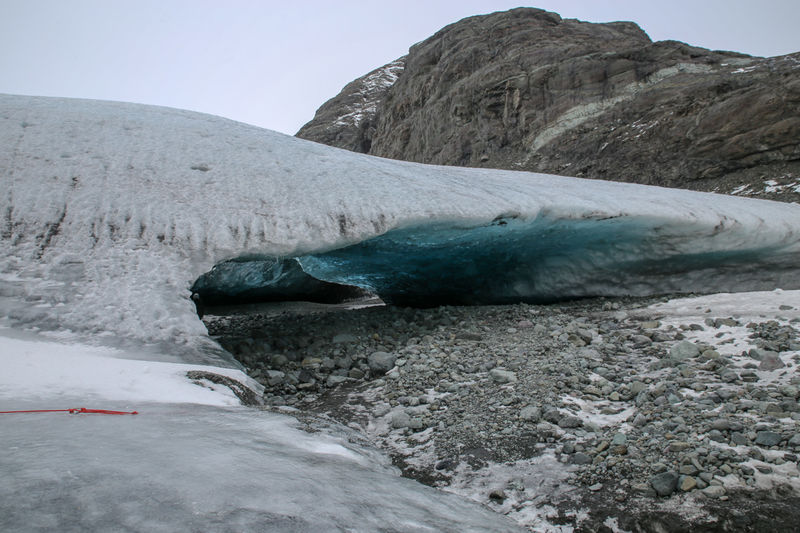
(515,260)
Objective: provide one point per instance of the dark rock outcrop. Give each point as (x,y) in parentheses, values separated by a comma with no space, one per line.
(349,119)
(528,90)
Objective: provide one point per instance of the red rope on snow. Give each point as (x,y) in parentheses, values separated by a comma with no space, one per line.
(79,410)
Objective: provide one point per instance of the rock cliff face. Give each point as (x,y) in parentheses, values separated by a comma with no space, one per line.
(528,90)
(348,120)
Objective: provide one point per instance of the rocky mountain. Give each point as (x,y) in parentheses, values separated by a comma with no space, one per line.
(348,120)
(527,90)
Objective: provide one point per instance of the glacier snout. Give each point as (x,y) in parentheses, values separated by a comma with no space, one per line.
(110,212)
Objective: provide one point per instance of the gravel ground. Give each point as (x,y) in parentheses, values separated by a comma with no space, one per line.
(618,415)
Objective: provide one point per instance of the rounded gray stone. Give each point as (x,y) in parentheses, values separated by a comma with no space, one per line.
(401,420)
(683,350)
(502,376)
(714,491)
(570,422)
(619,438)
(381,362)
(664,483)
(770,361)
(531,413)
(581,458)
(768,438)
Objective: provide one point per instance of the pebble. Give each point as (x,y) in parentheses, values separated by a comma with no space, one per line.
(637,386)
(721,424)
(274,377)
(570,422)
(770,361)
(333,381)
(400,420)
(688,483)
(679,446)
(580,458)
(498,495)
(502,376)
(715,491)
(619,438)
(531,413)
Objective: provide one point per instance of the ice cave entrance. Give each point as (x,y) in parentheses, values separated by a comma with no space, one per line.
(244,281)
(510,260)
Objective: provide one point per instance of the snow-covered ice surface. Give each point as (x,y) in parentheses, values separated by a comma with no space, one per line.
(203,468)
(35,368)
(734,341)
(530,485)
(747,306)
(191,460)
(779,305)
(110,211)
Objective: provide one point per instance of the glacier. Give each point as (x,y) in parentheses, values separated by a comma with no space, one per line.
(110,212)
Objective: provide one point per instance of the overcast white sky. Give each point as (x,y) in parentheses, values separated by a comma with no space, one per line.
(273,64)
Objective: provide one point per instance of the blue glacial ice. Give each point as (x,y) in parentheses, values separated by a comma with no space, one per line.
(510,260)
(265,279)
(545,260)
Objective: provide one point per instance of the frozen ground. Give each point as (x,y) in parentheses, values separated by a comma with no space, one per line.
(191,460)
